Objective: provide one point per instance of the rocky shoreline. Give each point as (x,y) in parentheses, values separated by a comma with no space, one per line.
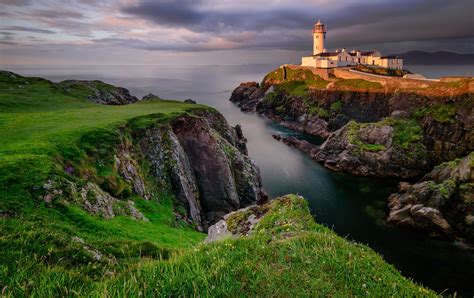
(389,128)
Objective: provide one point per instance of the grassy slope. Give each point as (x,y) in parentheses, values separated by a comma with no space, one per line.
(38,120)
(288,254)
(39,123)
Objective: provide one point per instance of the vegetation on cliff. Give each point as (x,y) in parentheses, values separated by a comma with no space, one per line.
(441,203)
(83,213)
(285,253)
(89,190)
(431,121)
(382,71)
(51,247)
(376,126)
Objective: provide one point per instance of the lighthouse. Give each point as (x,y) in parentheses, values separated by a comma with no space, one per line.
(319,34)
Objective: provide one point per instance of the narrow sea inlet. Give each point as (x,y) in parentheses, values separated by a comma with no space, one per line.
(354,207)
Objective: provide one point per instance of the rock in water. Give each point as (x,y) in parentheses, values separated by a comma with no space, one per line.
(368,150)
(441,203)
(247,96)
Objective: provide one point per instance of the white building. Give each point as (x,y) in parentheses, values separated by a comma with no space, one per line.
(323,59)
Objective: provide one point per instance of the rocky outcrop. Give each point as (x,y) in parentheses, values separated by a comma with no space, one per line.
(189,100)
(237,224)
(294,142)
(429,122)
(98,92)
(226,178)
(91,197)
(442,202)
(281,218)
(372,149)
(369,149)
(247,96)
(150,96)
(197,158)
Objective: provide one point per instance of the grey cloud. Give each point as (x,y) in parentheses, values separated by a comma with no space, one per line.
(15,2)
(391,21)
(57,14)
(188,13)
(27,29)
(165,12)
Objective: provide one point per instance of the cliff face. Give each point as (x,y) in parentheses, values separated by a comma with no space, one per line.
(385,127)
(424,125)
(198,158)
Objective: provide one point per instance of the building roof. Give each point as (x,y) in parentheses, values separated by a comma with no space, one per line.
(366,53)
(327,54)
(389,57)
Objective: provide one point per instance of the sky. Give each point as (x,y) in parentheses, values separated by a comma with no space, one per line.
(120,32)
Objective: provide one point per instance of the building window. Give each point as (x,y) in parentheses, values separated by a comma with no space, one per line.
(317,36)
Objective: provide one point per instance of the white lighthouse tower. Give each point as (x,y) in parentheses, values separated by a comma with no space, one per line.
(319,34)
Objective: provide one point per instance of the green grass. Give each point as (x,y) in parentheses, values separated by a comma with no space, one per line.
(287,254)
(52,249)
(358,84)
(360,145)
(298,84)
(43,127)
(336,106)
(297,81)
(406,132)
(319,111)
(40,123)
(444,113)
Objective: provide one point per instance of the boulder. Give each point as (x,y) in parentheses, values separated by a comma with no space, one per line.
(189,100)
(150,96)
(441,203)
(247,96)
(369,150)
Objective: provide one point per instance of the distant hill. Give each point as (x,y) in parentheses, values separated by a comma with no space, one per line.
(436,58)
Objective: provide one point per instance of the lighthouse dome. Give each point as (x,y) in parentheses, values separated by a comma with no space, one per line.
(319,27)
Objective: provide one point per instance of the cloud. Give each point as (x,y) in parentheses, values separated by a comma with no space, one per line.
(15,2)
(57,14)
(190,14)
(159,27)
(27,29)
(168,12)
(355,24)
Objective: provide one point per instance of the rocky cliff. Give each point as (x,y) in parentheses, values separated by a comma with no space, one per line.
(197,157)
(385,127)
(441,203)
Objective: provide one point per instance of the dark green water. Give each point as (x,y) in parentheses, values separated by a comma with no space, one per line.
(354,207)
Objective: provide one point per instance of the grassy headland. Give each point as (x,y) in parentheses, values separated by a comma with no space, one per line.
(58,249)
